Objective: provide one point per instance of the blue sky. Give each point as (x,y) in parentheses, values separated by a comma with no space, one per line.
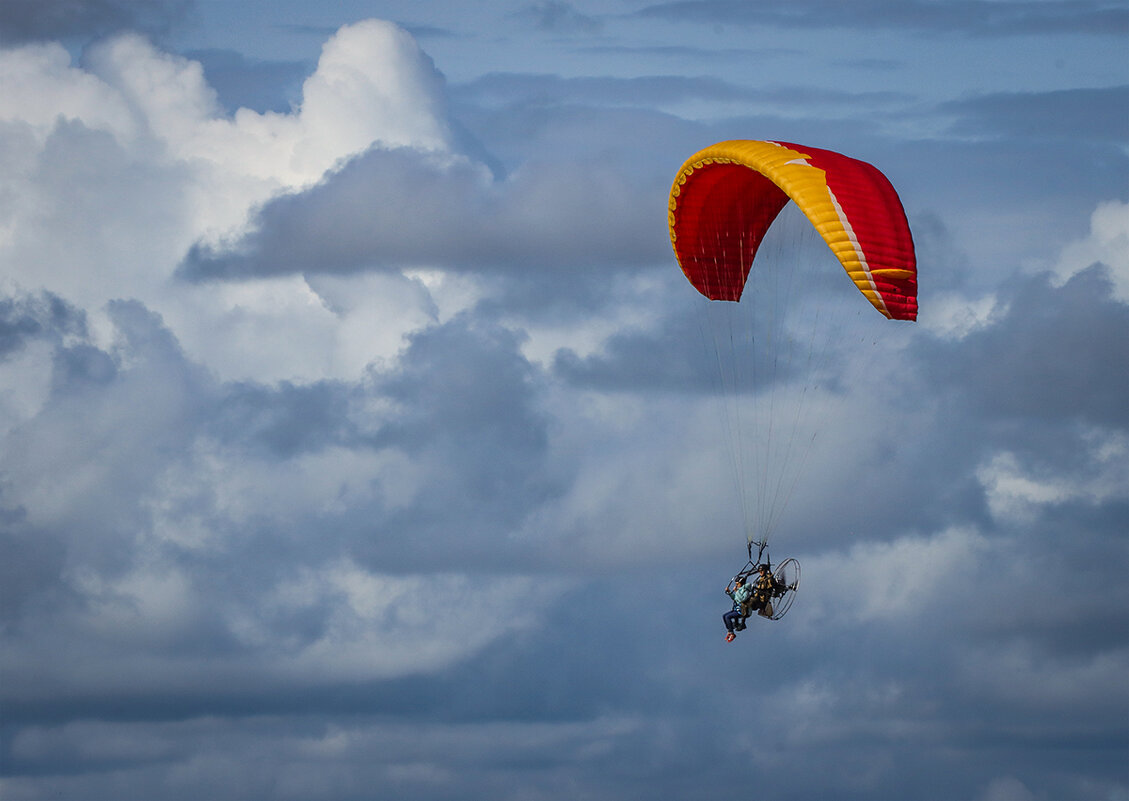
(359,438)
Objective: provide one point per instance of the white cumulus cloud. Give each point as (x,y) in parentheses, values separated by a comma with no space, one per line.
(1108,243)
(114,167)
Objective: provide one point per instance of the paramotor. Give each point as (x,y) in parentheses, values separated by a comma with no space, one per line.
(722,203)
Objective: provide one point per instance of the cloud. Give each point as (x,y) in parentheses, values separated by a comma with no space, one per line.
(1106,244)
(392,209)
(1092,115)
(1007,788)
(286,420)
(1019,488)
(28,318)
(131,156)
(556,16)
(100,418)
(257,85)
(663,91)
(372,85)
(146,542)
(979,17)
(37,20)
(1055,354)
(322,524)
(1038,190)
(794,323)
(896,580)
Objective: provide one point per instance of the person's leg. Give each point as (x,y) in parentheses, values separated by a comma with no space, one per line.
(730,619)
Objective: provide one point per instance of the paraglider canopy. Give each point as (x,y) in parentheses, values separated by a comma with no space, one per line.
(726,196)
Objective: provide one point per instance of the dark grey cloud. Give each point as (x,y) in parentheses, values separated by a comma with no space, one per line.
(637,713)
(698,346)
(279,422)
(82,419)
(30,565)
(1040,191)
(1090,115)
(30,561)
(28,318)
(35,20)
(798,315)
(968,17)
(673,359)
(1058,354)
(460,402)
(466,404)
(558,17)
(387,210)
(651,90)
(1039,382)
(465,379)
(1036,383)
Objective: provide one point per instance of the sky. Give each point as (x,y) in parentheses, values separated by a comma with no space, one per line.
(360,437)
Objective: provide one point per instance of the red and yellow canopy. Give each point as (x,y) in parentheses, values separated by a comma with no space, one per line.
(725,197)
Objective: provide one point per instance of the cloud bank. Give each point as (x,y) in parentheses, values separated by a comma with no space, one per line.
(338,461)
